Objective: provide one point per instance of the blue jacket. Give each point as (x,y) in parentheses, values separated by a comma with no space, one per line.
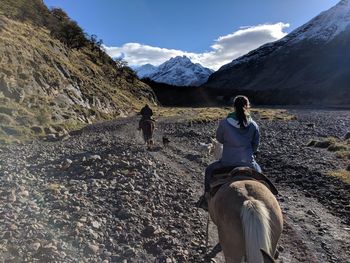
(239,144)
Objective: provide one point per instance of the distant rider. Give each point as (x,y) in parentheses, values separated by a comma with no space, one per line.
(146,113)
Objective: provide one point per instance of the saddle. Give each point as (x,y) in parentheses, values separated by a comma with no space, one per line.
(231,174)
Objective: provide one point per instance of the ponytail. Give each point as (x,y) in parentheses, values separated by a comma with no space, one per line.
(241,105)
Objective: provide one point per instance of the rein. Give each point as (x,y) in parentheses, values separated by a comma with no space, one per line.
(207,234)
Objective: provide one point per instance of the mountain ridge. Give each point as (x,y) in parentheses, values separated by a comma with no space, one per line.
(304,67)
(177,71)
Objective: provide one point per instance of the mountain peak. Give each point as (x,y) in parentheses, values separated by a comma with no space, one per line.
(178,71)
(325,26)
(182,60)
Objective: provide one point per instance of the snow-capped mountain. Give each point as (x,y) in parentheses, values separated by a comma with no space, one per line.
(325,26)
(309,65)
(178,71)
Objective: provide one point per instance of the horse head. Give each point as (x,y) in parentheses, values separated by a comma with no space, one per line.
(216,149)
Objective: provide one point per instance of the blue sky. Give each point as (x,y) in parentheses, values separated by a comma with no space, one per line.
(151,31)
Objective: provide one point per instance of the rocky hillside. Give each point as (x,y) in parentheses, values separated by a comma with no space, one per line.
(53,73)
(308,66)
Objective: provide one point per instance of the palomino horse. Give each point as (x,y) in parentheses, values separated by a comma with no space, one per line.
(248,218)
(147,127)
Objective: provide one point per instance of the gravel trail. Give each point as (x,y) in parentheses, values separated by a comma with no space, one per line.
(101,196)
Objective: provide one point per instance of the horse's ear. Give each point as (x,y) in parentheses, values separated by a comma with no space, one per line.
(266,256)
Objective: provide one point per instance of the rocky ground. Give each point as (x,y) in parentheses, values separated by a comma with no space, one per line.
(101,196)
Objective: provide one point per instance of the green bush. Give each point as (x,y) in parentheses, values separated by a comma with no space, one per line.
(65,29)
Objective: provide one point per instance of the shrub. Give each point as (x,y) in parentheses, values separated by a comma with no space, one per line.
(65,29)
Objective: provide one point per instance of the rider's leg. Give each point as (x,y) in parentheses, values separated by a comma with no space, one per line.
(203,202)
(140,122)
(208,174)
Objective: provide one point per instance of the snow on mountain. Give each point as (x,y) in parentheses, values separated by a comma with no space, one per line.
(178,71)
(326,26)
(309,65)
(321,29)
(145,70)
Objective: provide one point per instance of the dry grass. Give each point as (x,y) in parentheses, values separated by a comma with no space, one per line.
(342,151)
(192,114)
(343,175)
(16,122)
(213,113)
(274,114)
(340,147)
(343,155)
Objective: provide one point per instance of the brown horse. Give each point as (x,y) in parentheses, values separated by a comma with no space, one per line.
(248,218)
(147,126)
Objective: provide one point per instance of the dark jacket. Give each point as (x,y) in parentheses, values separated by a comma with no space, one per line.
(146,112)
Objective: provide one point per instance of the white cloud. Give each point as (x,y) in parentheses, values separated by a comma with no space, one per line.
(138,54)
(224,50)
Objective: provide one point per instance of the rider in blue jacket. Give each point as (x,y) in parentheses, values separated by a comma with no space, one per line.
(240,136)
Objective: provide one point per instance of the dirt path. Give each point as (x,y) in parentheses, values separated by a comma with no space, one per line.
(311,232)
(118,202)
